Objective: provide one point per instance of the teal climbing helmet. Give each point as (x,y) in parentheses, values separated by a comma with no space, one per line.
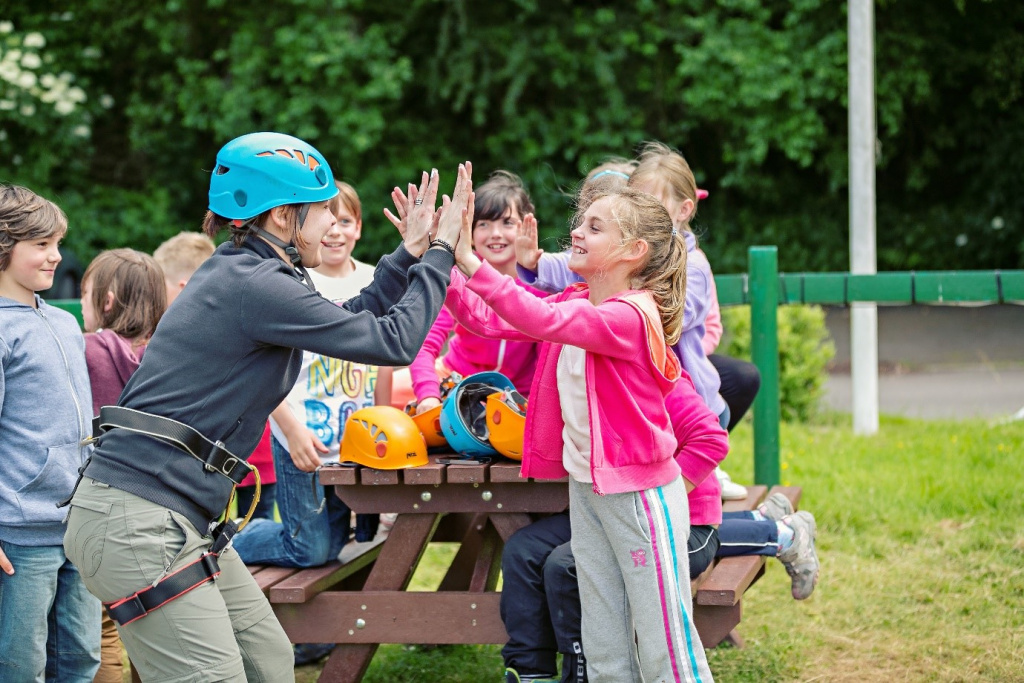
(258,171)
(464,413)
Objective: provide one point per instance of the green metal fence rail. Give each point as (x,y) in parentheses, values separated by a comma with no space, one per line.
(764,289)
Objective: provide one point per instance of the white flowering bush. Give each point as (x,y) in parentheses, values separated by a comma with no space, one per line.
(34,94)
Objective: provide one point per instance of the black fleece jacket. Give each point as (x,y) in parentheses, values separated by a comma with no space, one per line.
(229,350)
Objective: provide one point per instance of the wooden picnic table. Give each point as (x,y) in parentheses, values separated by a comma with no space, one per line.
(365,602)
(478,505)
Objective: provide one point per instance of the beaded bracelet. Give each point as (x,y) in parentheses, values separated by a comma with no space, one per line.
(438,242)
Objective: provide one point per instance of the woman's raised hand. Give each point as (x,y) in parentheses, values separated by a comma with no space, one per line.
(449,227)
(416,214)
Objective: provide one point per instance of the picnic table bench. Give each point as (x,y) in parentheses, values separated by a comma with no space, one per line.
(364,602)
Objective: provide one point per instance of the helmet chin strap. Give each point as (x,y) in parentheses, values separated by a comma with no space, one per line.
(289,249)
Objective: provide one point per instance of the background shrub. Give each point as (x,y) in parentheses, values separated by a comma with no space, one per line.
(805,349)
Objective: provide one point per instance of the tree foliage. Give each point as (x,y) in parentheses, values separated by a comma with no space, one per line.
(752,91)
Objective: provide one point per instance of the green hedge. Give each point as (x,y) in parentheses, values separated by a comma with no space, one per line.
(805,350)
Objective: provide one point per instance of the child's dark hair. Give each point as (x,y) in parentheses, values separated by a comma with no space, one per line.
(26,216)
(140,295)
(502,191)
(213,224)
(641,216)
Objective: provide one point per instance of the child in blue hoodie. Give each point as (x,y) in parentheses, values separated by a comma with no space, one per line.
(44,417)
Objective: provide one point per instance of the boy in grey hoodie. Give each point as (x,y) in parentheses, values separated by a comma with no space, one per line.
(50,622)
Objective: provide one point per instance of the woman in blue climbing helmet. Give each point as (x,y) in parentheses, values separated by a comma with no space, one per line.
(141,528)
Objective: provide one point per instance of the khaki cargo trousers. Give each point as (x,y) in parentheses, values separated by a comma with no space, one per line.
(223,630)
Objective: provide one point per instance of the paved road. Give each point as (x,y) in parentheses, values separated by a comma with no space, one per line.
(939,393)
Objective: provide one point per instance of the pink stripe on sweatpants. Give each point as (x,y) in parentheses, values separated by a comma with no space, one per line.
(661,585)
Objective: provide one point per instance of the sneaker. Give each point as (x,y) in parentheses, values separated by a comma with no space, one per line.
(511,676)
(776,507)
(354,549)
(730,490)
(311,653)
(801,559)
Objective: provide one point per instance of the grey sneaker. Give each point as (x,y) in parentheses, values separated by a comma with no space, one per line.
(801,559)
(776,507)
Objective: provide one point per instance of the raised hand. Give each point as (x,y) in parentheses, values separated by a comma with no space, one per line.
(528,251)
(465,258)
(449,226)
(416,214)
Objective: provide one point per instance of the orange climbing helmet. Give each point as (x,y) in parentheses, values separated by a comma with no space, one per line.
(383,438)
(429,424)
(506,422)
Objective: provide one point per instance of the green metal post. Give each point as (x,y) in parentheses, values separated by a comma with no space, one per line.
(764,349)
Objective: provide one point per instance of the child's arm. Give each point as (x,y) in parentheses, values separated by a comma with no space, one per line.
(421,370)
(382,392)
(697,301)
(500,306)
(713,321)
(302,442)
(703,443)
(547,272)
(476,316)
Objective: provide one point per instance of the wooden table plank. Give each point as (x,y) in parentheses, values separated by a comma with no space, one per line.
(486,497)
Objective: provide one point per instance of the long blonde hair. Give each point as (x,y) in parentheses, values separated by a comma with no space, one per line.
(641,216)
(666,169)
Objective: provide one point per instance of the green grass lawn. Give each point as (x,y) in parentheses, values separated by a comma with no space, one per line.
(922,551)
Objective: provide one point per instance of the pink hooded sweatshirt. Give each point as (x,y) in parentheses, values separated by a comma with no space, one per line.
(469,353)
(633,442)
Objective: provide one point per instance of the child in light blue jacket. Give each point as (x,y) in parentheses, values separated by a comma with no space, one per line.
(51,624)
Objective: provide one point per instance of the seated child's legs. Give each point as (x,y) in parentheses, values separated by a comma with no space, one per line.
(702,547)
(312,523)
(532,647)
(46,586)
(742,535)
(740,383)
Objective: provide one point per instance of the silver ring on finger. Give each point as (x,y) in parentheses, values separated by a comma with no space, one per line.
(418,202)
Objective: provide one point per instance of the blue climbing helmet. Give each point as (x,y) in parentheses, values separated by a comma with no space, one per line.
(259,171)
(464,413)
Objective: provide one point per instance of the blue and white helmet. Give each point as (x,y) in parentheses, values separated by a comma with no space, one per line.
(259,171)
(464,413)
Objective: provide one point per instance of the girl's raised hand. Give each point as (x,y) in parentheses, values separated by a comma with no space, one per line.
(528,251)
(449,226)
(465,258)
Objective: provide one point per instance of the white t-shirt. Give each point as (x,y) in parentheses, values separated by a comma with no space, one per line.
(329,390)
(572,397)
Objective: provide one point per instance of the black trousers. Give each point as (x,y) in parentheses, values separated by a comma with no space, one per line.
(740,382)
(540,596)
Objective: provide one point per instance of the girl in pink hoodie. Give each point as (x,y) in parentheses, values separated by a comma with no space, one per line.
(123,298)
(598,414)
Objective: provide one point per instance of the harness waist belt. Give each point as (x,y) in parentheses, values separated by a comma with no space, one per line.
(214,456)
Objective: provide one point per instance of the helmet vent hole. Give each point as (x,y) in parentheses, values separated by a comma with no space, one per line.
(221,169)
(285,153)
(301,156)
(373,430)
(382,438)
(241,198)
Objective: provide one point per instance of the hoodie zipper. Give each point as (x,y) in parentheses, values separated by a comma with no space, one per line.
(67,368)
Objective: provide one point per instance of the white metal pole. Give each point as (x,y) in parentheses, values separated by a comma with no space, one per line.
(863,316)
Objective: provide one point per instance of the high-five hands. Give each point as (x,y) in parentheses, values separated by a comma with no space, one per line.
(449,226)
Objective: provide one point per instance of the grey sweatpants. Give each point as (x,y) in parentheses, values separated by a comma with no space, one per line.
(633,568)
(224,630)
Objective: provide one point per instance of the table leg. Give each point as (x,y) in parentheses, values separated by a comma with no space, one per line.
(399,556)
